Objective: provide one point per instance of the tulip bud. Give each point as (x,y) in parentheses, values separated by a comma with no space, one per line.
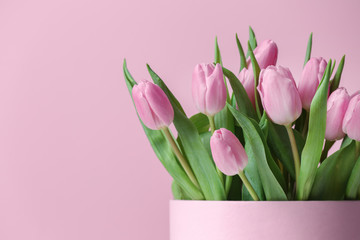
(246,77)
(351,121)
(153,106)
(336,108)
(266,54)
(279,95)
(228,153)
(310,80)
(208,88)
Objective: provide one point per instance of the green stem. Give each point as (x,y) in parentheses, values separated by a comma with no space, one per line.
(180,157)
(306,125)
(248,186)
(212,127)
(212,124)
(328,145)
(357,145)
(294,151)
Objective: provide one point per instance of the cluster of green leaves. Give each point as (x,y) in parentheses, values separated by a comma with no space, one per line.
(271,169)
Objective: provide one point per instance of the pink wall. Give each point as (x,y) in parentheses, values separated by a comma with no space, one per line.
(74,162)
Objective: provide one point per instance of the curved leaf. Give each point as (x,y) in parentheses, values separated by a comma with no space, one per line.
(353,186)
(311,153)
(201,122)
(256,152)
(336,81)
(241,97)
(308,49)
(164,151)
(333,175)
(198,157)
(243,63)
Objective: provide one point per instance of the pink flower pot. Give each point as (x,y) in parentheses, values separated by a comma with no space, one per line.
(237,220)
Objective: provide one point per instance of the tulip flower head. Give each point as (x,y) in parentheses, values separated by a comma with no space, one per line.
(266,54)
(208,88)
(246,78)
(153,106)
(351,123)
(310,80)
(279,95)
(336,108)
(228,153)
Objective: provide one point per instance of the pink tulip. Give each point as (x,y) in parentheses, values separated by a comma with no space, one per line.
(310,80)
(336,108)
(351,123)
(228,153)
(153,106)
(208,88)
(279,95)
(266,54)
(246,77)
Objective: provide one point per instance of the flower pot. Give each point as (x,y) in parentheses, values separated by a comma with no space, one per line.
(245,220)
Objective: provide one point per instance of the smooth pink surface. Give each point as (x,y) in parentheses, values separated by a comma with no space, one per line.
(336,107)
(228,153)
(152,105)
(213,220)
(208,88)
(74,162)
(279,95)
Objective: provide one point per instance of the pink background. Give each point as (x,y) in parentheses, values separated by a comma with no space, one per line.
(74,162)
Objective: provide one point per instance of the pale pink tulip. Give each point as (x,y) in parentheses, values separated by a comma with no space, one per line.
(279,95)
(351,123)
(246,77)
(310,80)
(228,153)
(208,88)
(266,54)
(336,108)
(152,105)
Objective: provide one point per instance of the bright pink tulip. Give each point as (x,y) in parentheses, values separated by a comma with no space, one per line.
(266,54)
(246,77)
(336,108)
(208,88)
(228,153)
(310,80)
(153,106)
(279,95)
(351,123)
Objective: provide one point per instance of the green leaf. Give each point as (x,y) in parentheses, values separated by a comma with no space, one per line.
(256,153)
(353,184)
(217,52)
(252,39)
(311,153)
(242,99)
(242,54)
(256,70)
(235,189)
(201,122)
(262,130)
(224,118)
(308,49)
(346,141)
(178,193)
(164,151)
(333,175)
(335,82)
(332,68)
(280,146)
(197,155)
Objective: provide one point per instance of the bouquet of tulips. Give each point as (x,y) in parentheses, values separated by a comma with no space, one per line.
(267,138)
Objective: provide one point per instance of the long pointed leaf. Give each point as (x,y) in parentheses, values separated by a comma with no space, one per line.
(199,159)
(256,70)
(164,152)
(311,153)
(272,188)
(242,54)
(241,97)
(353,184)
(308,49)
(336,81)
